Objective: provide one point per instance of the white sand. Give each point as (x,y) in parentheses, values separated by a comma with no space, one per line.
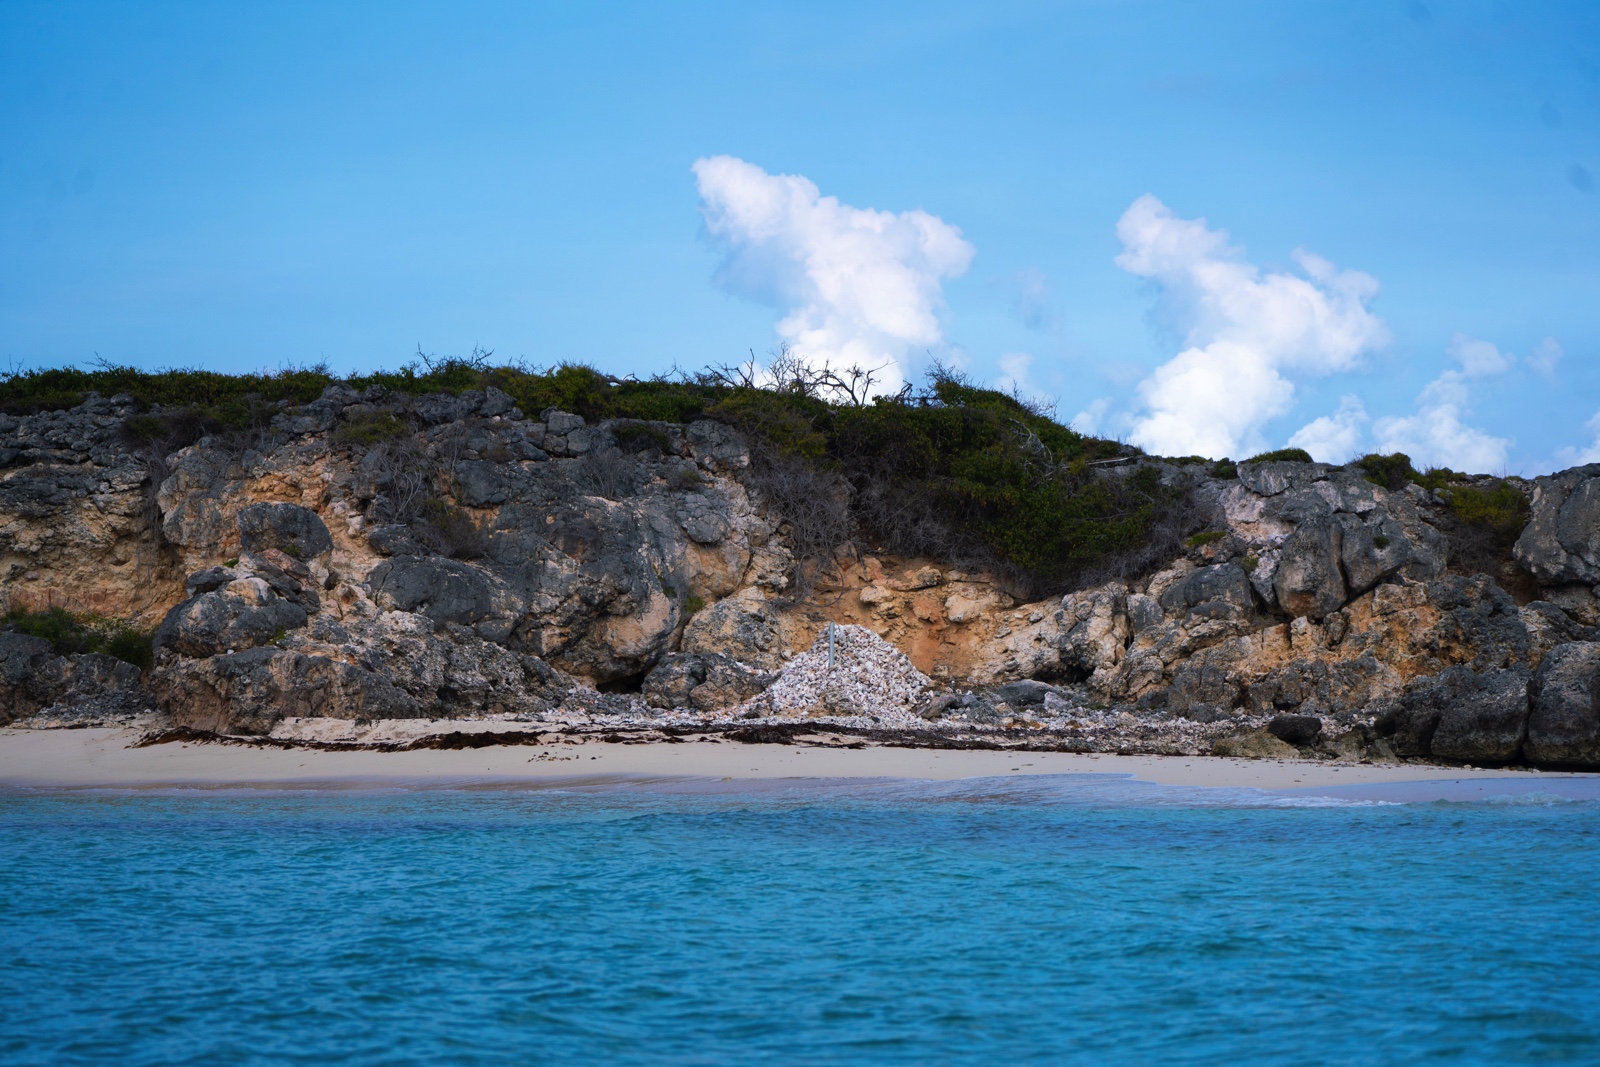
(102,758)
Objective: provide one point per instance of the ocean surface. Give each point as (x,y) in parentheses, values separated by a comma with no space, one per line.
(1063,919)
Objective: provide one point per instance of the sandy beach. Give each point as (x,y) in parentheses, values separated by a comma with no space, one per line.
(105,758)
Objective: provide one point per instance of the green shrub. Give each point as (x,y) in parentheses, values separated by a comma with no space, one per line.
(367,430)
(70,633)
(1392,471)
(1501,510)
(954,470)
(692,604)
(1282,455)
(1224,468)
(1205,538)
(225,396)
(635,436)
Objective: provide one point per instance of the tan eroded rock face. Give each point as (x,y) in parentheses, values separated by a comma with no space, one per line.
(561,555)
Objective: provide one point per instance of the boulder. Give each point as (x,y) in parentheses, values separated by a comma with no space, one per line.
(248,692)
(1202,692)
(1220,590)
(208,580)
(1370,552)
(1561,542)
(1295,729)
(22,690)
(296,531)
(1462,715)
(1564,723)
(1258,745)
(228,620)
(741,628)
(1479,624)
(87,686)
(1486,724)
(445,590)
(1023,693)
(708,682)
(1308,580)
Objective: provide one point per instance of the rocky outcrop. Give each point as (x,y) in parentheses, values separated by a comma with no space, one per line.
(1561,543)
(373,555)
(1564,727)
(35,682)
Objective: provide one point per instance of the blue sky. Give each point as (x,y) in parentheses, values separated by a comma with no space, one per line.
(238,187)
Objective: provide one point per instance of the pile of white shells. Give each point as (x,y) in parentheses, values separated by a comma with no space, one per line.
(867,676)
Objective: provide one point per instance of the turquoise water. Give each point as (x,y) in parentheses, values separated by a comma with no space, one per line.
(1053,920)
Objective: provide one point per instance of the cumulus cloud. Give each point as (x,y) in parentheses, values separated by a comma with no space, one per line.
(1437,435)
(1479,359)
(1334,438)
(1546,354)
(1244,331)
(857,286)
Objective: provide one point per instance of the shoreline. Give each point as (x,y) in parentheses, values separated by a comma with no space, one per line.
(100,758)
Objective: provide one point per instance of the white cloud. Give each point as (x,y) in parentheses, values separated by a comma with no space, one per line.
(1479,359)
(1334,438)
(1088,421)
(859,287)
(1243,330)
(1576,457)
(1546,354)
(1436,436)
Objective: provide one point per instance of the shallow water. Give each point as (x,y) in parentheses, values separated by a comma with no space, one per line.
(1079,919)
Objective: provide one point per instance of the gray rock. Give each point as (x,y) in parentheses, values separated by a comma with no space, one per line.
(1270,479)
(560,423)
(1561,542)
(87,687)
(294,530)
(1217,590)
(215,623)
(1479,624)
(706,681)
(495,403)
(1202,692)
(1460,714)
(1308,580)
(1372,552)
(208,580)
(1296,729)
(391,539)
(1564,725)
(22,690)
(1486,720)
(1257,745)
(444,590)
(249,691)
(1023,693)
(742,628)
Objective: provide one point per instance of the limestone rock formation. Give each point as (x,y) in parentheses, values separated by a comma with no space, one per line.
(376,555)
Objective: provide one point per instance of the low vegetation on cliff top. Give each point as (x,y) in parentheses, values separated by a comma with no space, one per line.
(950,470)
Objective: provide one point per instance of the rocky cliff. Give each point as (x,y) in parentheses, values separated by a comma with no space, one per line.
(375,556)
